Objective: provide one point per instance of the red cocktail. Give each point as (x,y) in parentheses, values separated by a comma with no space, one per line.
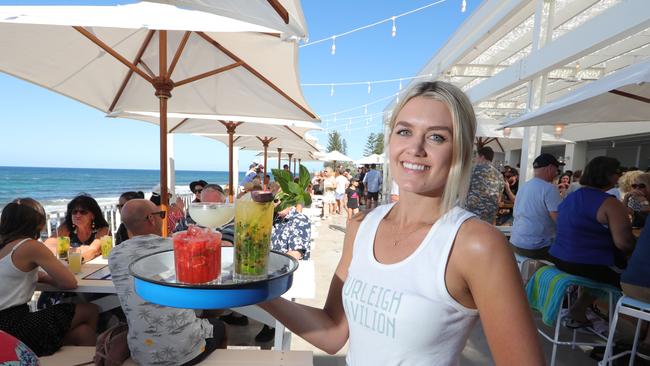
(197,255)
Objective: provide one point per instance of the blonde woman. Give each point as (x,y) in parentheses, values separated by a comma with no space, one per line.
(416,275)
(637,199)
(329,197)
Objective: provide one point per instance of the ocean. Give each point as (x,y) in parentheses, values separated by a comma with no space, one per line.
(55,187)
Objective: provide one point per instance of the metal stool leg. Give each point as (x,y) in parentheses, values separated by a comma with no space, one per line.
(610,338)
(634,344)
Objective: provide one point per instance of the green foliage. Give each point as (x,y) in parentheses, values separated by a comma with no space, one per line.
(378,146)
(369,149)
(292,193)
(336,142)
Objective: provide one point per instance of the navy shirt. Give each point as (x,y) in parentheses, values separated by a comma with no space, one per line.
(638,268)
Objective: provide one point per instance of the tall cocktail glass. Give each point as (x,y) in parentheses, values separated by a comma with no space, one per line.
(62,247)
(197,255)
(253,223)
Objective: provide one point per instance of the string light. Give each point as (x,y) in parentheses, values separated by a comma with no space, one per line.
(383,81)
(358,107)
(331,90)
(463,6)
(400,84)
(369,88)
(392,18)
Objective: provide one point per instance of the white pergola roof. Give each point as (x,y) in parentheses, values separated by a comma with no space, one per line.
(491,55)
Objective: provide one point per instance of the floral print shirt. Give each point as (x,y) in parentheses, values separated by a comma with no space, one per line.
(13,352)
(158,335)
(485,189)
(292,233)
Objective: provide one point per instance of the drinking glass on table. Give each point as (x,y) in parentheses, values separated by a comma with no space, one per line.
(253,224)
(62,247)
(106,245)
(74,260)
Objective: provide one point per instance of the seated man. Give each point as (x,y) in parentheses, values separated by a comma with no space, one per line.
(157,334)
(535,210)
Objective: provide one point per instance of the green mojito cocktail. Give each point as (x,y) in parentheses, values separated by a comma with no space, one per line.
(253,223)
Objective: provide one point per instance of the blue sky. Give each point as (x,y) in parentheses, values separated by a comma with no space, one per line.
(42,128)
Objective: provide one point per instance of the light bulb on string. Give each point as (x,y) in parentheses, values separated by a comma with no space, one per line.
(463,6)
(369,88)
(365,109)
(331,90)
(400,84)
(333,45)
(393,32)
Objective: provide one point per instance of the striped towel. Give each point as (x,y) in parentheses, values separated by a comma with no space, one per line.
(548,286)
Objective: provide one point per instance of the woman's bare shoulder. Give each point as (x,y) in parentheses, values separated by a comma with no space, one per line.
(476,239)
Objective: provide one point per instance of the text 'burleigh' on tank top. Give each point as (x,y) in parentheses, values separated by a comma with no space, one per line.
(402,313)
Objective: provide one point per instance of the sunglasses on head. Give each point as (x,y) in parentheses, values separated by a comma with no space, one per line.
(161,214)
(640,185)
(80,212)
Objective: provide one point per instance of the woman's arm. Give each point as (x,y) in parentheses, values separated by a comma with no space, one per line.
(614,215)
(325,328)
(486,263)
(94,249)
(55,274)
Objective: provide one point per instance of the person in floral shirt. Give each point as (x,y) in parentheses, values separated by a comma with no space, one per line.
(292,233)
(485,187)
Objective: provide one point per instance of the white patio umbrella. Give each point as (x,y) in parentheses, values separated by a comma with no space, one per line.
(249,133)
(289,19)
(114,58)
(489,133)
(370,159)
(335,156)
(623,96)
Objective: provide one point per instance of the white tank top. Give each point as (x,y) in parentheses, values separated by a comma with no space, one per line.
(402,313)
(17,286)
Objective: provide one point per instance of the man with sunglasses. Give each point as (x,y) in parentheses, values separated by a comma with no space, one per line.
(156,331)
(196,187)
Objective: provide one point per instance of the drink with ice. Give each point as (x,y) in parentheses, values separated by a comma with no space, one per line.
(253,223)
(62,247)
(212,215)
(106,245)
(74,260)
(197,255)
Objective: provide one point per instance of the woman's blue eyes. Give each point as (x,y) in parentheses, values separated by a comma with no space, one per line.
(433,137)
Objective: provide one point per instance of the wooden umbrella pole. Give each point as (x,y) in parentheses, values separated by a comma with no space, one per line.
(265,142)
(230,128)
(279,158)
(163,86)
(294,167)
(290,155)
(299,162)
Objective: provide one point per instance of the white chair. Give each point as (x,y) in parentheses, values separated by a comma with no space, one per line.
(633,308)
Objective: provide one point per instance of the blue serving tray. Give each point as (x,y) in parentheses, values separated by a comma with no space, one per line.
(155,281)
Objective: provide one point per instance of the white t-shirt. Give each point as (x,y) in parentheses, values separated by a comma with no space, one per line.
(341,184)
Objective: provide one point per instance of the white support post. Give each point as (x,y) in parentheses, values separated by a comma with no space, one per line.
(171,172)
(235,174)
(532,141)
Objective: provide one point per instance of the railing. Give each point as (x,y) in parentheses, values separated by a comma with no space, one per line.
(110,212)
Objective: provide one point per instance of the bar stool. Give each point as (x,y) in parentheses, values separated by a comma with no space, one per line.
(548,290)
(633,308)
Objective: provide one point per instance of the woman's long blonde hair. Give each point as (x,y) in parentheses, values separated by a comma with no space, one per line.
(463,122)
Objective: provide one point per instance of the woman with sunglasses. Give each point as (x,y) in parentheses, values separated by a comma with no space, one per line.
(24,260)
(84,223)
(637,200)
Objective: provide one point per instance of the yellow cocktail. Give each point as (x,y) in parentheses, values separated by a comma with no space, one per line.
(106,245)
(62,247)
(253,223)
(74,260)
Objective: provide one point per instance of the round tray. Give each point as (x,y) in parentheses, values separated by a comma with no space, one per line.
(155,281)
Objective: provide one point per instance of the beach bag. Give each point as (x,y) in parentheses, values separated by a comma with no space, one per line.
(112,348)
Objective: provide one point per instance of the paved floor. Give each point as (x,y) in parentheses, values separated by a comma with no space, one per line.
(325,254)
